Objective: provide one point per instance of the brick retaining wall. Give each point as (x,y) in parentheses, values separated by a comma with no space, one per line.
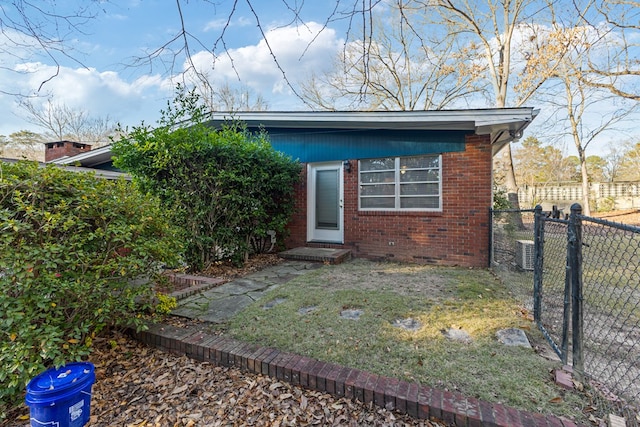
(410,398)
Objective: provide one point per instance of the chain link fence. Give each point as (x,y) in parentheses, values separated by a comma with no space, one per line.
(580,276)
(611,314)
(507,228)
(554,295)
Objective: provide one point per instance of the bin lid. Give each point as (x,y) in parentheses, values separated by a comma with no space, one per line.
(54,382)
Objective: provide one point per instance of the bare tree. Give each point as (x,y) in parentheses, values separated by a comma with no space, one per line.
(613,63)
(615,158)
(176,53)
(404,68)
(33,29)
(228,98)
(61,122)
(490,30)
(587,111)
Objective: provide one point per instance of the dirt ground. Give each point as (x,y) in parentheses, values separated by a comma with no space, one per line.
(629,217)
(403,279)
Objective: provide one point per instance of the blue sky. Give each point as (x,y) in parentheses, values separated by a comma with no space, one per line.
(99,75)
(98,72)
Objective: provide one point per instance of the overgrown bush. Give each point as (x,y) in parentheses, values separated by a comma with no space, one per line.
(70,246)
(500,199)
(606,205)
(227,187)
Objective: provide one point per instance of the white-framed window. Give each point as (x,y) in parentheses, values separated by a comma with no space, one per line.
(401,183)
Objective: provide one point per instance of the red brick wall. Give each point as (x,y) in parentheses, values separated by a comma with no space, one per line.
(56,150)
(459,235)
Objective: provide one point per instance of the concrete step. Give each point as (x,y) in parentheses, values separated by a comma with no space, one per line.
(325,255)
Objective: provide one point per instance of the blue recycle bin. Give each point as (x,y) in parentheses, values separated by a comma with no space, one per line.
(61,397)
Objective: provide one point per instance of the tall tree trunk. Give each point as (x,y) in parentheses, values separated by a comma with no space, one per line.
(512,186)
(586,207)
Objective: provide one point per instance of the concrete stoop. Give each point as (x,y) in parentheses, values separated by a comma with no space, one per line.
(325,255)
(410,398)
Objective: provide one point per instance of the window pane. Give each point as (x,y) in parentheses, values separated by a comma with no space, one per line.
(419,179)
(377,190)
(419,202)
(419,189)
(374,177)
(419,175)
(419,162)
(378,164)
(327,186)
(377,202)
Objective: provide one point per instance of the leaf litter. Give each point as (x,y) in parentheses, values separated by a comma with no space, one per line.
(137,386)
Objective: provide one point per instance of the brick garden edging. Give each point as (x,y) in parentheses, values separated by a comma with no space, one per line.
(409,398)
(190,285)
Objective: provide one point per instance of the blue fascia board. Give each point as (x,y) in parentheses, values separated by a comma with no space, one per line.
(321,145)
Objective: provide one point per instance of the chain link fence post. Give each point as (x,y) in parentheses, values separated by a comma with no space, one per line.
(575,265)
(538,245)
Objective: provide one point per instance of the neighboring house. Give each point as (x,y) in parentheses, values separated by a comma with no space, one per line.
(59,149)
(407,186)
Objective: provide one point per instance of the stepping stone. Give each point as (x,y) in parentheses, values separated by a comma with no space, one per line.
(458,335)
(306,310)
(241,286)
(261,293)
(282,279)
(409,324)
(273,303)
(513,337)
(351,314)
(220,310)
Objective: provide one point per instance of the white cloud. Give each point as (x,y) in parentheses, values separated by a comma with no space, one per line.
(219,24)
(100,94)
(299,51)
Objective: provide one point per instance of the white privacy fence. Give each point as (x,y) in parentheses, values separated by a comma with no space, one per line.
(609,195)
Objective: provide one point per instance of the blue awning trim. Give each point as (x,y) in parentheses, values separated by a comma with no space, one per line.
(328,145)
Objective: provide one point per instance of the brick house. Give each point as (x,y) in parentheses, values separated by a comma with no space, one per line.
(408,186)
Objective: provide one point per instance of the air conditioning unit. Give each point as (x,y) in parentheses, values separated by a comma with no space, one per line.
(524,254)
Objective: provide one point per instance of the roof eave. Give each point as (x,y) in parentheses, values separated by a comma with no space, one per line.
(88,159)
(502,124)
(416,120)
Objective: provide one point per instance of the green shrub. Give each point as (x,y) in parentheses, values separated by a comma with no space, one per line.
(606,205)
(229,187)
(165,304)
(500,199)
(70,246)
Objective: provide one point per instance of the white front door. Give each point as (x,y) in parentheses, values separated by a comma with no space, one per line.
(324,202)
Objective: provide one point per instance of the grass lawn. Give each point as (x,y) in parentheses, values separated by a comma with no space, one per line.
(307,321)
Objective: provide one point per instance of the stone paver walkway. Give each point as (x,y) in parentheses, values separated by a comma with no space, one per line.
(218,304)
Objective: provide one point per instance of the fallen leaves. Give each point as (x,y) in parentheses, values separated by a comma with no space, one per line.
(138,386)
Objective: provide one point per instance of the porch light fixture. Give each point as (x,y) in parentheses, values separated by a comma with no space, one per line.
(347,165)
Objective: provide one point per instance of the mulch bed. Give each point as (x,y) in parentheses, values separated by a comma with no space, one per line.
(137,386)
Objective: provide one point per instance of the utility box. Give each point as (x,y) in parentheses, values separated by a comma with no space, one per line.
(525,254)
